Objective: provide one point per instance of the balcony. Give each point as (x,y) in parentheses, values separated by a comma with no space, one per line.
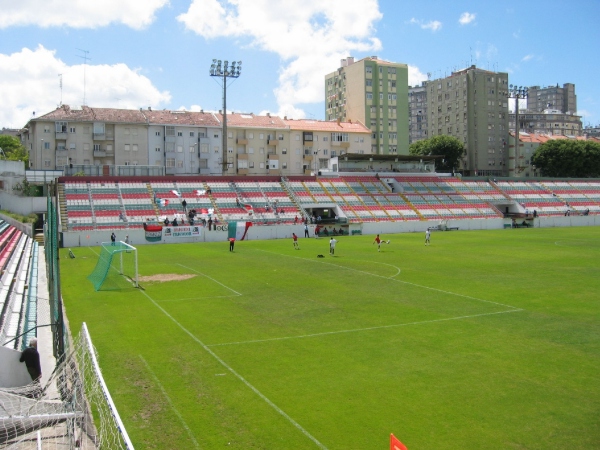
(99,136)
(242,141)
(100,153)
(340,144)
(274,142)
(61,134)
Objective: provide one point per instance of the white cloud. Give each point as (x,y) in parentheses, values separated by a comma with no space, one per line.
(311,37)
(79,14)
(433,25)
(29,81)
(466,18)
(527,58)
(415,76)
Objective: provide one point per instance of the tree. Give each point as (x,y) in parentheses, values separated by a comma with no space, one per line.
(568,158)
(449,147)
(13,150)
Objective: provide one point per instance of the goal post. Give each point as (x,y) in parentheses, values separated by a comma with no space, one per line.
(116,259)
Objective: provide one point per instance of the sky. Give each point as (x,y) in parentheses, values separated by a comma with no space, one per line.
(157,53)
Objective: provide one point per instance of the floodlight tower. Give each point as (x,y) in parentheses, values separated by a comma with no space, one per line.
(516,92)
(225,71)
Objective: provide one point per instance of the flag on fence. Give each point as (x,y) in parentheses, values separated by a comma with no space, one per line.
(164,202)
(238,230)
(395,444)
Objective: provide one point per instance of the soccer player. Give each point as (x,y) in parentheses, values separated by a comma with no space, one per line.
(231,244)
(427,237)
(332,243)
(295,238)
(378,241)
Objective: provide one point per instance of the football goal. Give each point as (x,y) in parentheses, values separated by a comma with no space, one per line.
(117,262)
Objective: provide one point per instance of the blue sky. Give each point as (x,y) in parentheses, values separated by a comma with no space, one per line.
(158,52)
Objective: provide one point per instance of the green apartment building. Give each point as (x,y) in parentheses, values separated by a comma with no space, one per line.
(374,92)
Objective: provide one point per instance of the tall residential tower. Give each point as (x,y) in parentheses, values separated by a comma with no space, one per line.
(374,92)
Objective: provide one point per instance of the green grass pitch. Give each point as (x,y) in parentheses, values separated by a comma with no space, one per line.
(485,339)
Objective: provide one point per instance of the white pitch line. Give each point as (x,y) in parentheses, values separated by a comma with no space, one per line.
(210,278)
(196,298)
(394,279)
(241,378)
(356,330)
(164,392)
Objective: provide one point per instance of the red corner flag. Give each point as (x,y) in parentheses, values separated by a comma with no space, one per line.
(395,444)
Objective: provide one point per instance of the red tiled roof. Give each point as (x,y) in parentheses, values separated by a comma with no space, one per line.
(252,121)
(330,126)
(168,117)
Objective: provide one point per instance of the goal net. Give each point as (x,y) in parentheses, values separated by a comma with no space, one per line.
(73,410)
(116,268)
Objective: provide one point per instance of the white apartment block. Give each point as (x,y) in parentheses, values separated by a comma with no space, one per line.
(188,143)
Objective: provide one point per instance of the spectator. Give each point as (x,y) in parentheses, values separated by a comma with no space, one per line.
(113,238)
(184,206)
(31,358)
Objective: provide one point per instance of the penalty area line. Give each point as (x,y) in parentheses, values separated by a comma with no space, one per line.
(237,375)
(210,278)
(356,330)
(164,392)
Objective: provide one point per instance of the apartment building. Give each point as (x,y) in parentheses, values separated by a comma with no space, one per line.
(417,113)
(186,142)
(548,121)
(562,99)
(374,92)
(316,142)
(472,105)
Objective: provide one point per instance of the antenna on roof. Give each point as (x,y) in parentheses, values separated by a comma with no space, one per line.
(60,84)
(85,60)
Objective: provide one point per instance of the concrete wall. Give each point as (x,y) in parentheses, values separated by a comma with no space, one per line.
(26,228)
(12,372)
(138,237)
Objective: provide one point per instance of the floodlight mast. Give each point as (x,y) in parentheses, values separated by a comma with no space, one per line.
(224,70)
(516,92)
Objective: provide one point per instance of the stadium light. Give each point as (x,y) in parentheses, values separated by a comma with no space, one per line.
(223,70)
(516,92)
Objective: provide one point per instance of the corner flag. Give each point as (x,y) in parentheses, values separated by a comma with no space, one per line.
(395,444)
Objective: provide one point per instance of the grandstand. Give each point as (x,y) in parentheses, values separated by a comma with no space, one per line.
(356,201)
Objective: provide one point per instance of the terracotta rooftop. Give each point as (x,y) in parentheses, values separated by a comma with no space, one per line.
(87,114)
(541,138)
(167,117)
(321,125)
(252,121)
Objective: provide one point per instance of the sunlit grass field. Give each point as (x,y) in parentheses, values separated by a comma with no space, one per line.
(485,339)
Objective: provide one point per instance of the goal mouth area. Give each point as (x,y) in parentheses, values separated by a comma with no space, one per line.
(117,261)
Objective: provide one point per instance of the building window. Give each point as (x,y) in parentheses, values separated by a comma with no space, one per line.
(134,147)
(157,133)
(261,165)
(157,149)
(284,151)
(46,163)
(170,162)
(250,135)
(204,148)
(369,96)
(179,133)
(191,134)
(217,149)
(61,127)
(127,147)
(284,165)
(170,131)
(192,148)
(180,149)
(251,164)
(180,164)
(203,164)
(96,147)
(72,130)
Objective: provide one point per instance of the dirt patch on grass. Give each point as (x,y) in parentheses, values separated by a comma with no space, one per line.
(162,277)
